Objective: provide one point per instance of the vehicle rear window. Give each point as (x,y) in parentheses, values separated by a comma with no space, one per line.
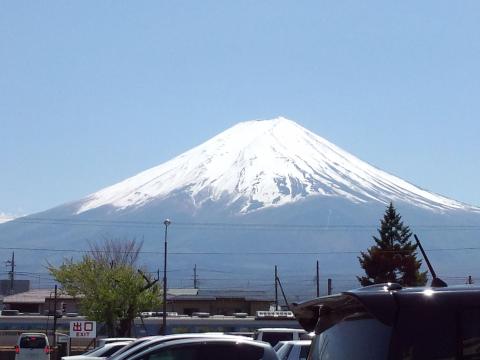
(425,334)
(470,333)
(33,342)
(358,337)
(274,337)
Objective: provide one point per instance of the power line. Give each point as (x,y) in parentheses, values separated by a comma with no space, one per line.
(253,226)
(243,253)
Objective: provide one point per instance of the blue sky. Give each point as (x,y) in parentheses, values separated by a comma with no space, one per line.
(93,92)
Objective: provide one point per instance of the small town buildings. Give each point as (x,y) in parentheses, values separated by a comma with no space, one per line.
(181,301)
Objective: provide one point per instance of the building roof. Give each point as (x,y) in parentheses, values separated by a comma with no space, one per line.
(34,296)
(224,294)
(40,296)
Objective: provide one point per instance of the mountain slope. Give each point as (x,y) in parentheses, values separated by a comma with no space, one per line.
(261,164)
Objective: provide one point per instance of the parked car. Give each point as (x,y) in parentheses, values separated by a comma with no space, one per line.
(32,346)
(209,349)
(274,335)
(140,345)
(293,350)
(387,321)
(7,312)
(99,352)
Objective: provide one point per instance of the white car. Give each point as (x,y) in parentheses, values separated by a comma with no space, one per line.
(32,346)
(99,352)
(293,350)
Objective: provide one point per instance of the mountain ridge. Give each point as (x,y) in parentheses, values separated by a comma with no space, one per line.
(266,163)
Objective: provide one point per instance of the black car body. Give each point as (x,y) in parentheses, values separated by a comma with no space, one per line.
(390,322)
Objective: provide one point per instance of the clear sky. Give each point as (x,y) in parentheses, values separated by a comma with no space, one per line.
(92,92)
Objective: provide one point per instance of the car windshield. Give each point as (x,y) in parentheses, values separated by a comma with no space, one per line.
(274,337)
(367,339)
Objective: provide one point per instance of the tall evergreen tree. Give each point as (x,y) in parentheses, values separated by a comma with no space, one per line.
(393,258)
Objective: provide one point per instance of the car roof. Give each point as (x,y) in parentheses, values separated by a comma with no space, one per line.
(297,342)
(156,340)
(32,334)
(280,330)
(115,343)
(266,346)
(110,340)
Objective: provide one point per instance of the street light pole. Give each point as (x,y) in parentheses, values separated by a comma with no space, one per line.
(164,313)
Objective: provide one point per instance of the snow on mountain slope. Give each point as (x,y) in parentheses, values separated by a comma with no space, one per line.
(266,163)
(5,218)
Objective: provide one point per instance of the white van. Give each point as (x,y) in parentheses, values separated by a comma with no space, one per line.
(32,346)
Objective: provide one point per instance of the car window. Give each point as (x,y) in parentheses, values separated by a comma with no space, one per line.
(91,350)
(274,337)
(33,342)
(112,350)
(470,331)
(422,334)
(358,337)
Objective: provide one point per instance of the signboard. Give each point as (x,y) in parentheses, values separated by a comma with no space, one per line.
(275,315)
(83,329)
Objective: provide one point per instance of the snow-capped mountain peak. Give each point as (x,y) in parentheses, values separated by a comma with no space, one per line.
(265,163)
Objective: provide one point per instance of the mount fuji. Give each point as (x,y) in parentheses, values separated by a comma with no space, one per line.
(262,193)
(262,164)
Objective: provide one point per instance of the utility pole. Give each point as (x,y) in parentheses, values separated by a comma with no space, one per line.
(55,319)
(195,277)
(318,280)
(329,287)
(11,273)
(164,312)
(283,293)
(276,289)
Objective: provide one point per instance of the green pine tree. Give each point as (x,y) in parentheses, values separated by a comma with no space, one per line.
(393,258)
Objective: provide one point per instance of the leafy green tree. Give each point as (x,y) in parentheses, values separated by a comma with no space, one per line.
(109,287)
(393,258)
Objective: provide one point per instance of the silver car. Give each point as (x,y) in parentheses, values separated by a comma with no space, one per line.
(209,349)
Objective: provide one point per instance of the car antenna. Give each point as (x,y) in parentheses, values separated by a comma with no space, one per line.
(283,293)
(436,281)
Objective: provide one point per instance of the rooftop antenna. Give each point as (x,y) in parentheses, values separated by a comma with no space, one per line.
(436,281)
